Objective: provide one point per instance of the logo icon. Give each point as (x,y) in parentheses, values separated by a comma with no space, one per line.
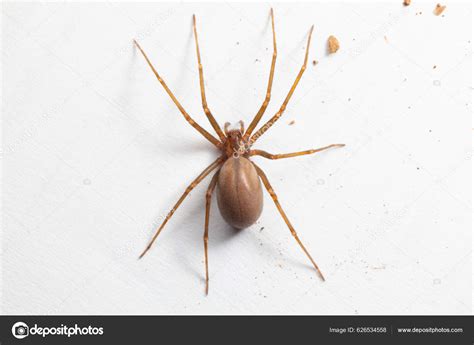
(20,330)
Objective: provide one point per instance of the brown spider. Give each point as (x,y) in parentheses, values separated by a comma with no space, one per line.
(239,190)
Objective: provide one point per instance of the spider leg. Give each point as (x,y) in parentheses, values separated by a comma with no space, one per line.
(272,193)
(188,190)
(209,115)
(264,105)
(280,111)
(210,189)
(292,154)
(188,118)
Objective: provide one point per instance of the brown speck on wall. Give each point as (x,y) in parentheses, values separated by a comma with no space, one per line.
(406,2)
(291,123)
(439,9)
(333,44)
(315,62)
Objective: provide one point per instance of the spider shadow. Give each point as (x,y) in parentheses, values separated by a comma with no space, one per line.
(123,99)
(302,265)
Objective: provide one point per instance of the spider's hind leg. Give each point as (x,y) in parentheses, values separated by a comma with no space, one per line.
(188,190)
(272,193)
(210,189)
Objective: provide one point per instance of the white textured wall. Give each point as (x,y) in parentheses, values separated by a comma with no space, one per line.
(95,154)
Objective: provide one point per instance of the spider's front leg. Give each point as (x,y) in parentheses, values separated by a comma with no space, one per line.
(280,111)
(188,118)
(264,105)
(205,107)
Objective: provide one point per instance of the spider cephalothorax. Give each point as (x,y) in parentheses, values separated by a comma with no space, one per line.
(236,144)
(238,179)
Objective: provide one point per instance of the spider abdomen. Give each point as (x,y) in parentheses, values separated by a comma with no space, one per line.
(239,192)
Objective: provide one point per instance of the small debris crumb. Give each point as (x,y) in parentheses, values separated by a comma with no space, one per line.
(386,39)
(382,267)
(333,44)
(434,66)
(315,62)
(439,9)
(406,2)
(261,229)
(291,123)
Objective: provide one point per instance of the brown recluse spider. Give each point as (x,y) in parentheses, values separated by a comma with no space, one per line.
(239,190)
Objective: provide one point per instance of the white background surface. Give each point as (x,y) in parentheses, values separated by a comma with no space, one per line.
(95,154)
